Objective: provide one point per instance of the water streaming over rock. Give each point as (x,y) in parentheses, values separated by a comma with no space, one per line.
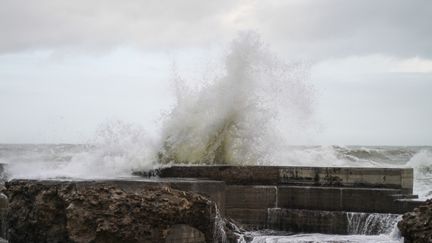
(371,223)
(219,234)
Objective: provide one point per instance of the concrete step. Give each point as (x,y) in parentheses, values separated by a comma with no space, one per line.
(370,200)
(408,204)
(404,196)
(313,221)
(399,178)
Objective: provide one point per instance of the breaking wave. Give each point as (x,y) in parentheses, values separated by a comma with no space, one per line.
(236,118)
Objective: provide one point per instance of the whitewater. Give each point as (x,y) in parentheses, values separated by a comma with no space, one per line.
(253,110)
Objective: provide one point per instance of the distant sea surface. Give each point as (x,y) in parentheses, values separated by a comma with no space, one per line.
(88,161)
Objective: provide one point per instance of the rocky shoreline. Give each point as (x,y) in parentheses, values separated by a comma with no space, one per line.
(53,211)
(416,226)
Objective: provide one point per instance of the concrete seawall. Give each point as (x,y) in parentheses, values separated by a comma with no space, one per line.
(397,178)
(276,197)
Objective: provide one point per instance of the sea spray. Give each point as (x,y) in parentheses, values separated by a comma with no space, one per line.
(117,149)
(235,118)
(246,115)
(422,164)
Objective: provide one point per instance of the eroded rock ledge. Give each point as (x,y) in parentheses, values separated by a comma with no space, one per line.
(52,211)
(416,226)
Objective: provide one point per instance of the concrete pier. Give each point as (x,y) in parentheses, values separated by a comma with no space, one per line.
(295,199)
(319,196)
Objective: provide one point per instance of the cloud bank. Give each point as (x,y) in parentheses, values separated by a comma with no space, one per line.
(303,28)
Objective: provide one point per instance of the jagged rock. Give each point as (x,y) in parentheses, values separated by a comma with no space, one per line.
(98,212)
(416,227)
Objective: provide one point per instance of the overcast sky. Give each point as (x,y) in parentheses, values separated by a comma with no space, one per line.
(67,66)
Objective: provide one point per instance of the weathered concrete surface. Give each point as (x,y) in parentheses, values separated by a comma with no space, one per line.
(251,197)
(249,204)
(308,221)
(330,222)
(371,200)
(251,219)
(53,211)
(397,178)
(416,226)
(237,175)
(252,190)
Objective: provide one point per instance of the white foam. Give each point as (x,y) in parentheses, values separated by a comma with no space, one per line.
(244,115)
(312,238)
(117,149)
(422,164)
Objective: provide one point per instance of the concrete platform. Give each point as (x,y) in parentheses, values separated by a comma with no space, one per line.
(253,191)
(396,178)
(297,199)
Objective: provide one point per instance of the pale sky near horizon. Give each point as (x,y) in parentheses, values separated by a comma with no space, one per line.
(68,66)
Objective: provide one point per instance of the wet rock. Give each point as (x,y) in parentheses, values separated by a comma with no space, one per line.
(416,226)
(98,212)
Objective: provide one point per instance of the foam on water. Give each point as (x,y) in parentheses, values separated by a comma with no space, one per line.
(372,228)
(312,238)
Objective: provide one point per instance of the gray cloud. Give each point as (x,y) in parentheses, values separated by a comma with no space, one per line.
(339,28)
(105,24)
(309,28)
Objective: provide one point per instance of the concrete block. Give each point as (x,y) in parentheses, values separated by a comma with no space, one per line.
(238,175)
(337,199)
(334,176)
(307,221)
(407,180)
(396,178)
(251,197)
(304,197)
(249,218)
